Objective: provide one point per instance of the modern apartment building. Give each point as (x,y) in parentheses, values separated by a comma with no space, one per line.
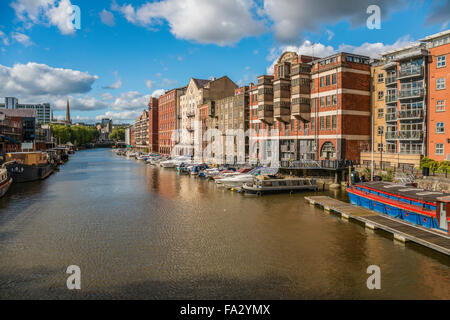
(198,93)
(153,128)
(16,126)
(438,97)
(169,119)
(141,131)
(43,110)
(320,107)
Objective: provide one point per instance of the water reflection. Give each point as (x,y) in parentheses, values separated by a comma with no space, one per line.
(143,232)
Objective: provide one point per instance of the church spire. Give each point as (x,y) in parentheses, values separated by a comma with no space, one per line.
(68,121)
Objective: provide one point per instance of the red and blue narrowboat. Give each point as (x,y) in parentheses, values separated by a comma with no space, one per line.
(430,209)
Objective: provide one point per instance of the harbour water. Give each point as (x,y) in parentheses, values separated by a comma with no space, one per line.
(140,232)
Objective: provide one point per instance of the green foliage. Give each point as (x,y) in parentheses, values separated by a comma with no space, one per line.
(435,166)
(389,176)
(77,135)
(367,172)
(118,134)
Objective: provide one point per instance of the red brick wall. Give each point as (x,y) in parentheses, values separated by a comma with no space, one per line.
(153,128)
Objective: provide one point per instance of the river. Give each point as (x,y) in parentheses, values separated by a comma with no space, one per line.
(139,232)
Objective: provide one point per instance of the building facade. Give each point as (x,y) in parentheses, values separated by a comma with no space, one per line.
(16,127)
(438,97)
(153,129)
(43,110)
(141,133)
(169,119)
(319,109)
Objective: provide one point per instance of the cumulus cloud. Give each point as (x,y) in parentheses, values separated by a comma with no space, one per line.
(439,14)
(158,93)
(56,13)
(115,85)
(222,22)
(4,38)
(83,103)
(107,17)
(373,50)
(34,79)
(122,116)
(130,100)
(149,84)
(291,18)
(22,38)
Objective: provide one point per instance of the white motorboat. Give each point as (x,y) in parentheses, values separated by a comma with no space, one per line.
(241,179)
(175,162)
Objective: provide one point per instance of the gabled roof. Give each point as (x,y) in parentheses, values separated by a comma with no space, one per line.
(200,83)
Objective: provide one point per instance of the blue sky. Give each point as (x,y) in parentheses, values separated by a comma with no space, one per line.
(127,51)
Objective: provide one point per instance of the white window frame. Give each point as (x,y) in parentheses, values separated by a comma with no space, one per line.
(439,151)
(442,63)
(440,126)
(440,106)
(440,84)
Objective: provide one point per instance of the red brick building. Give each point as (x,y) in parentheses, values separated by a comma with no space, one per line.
(320,107)
(438,97)
(168,119)
(153,120)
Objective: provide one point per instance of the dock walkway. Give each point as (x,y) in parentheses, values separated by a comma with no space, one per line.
(402,230)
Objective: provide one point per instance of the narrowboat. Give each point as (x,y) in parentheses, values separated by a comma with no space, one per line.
(5,181)
(28,166)
(429,209)
(262,185)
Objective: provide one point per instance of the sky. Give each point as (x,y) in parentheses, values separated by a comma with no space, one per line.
(112,57)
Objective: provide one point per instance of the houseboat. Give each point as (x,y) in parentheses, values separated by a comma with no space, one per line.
(430,209)
(28,166)
(263,185)
(5,181)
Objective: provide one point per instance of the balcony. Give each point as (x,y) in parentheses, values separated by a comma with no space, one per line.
(391,135)
(391,80)
(282,89)
(282,111)
(411,114)
(409,72)
(391,99)
(301,110)
(265,80)
(190,114)
(391,117)
(265,113)
(410,135)
(411,93)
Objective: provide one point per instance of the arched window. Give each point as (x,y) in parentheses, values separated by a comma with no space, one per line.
(328,151)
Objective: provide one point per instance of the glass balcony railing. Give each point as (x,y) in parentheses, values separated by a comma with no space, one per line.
(391,116)
(391,135)
(410,135)
(411,114)
(412,71)
(391,80)
(412,93)
(391,99)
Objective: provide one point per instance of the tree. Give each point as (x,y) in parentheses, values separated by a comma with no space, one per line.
(118,134)
(77,135)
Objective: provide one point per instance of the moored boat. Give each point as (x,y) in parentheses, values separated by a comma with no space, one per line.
(28,166)
(263,185)
(5,181)
(429,209)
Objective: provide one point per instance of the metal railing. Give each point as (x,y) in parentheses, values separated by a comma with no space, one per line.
(411,114)
(409,93)
(410,72)
(317,164)
(391,116)
(391,98)
(391,135)
(410,135)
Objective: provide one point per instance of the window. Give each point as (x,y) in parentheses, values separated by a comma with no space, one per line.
(380,130)
(380,78)
(440,106)
(441,61)
(328,122)
(439,148)
(334,99)
(440,127)
(334,121)
(328,80)
(328,100)
(380,113)
(333,78)
(380,147)
(380,95)
(321,82)
(312,84)
(322,123)
(440,84)
(322,101)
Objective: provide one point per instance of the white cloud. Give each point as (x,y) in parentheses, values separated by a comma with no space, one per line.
(33,79)
(4,38)
(107,17)
(373,50)
(115,85)
(56,13)
(158,93)
(22,38)
(221,22)
(130,100)
(107,96)
(122,116)
(330,34)
(291,18)
(84,103)
(149,84)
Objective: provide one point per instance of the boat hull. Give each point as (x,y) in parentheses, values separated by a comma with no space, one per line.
(27,173)
(393,209)
(4,187)
(280,189)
